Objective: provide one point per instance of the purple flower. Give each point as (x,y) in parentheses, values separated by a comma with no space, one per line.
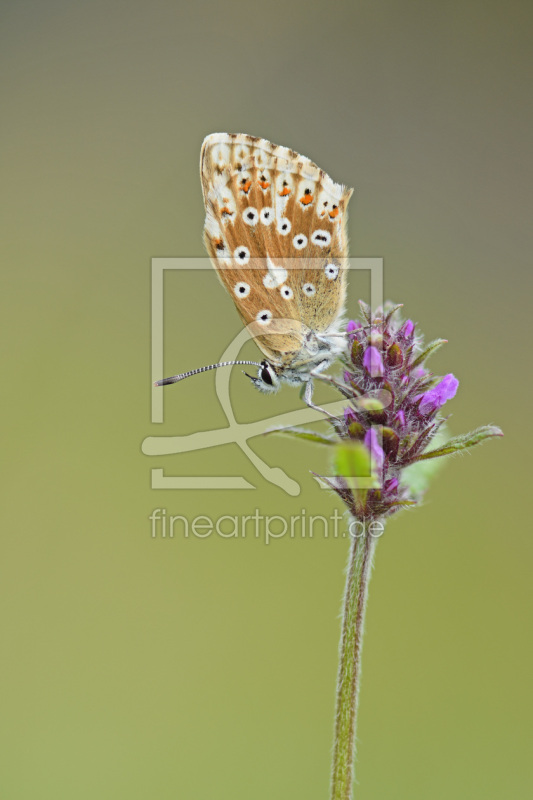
(390,406)
(439,394)
(373,363)
(408,328)
(376,451)
(349,416)
(353,325)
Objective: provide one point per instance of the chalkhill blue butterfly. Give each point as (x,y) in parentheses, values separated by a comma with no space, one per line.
(275,230)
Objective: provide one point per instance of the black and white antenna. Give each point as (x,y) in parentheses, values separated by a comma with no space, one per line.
(177,378)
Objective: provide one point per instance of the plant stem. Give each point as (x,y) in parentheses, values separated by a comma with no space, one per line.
(349,676)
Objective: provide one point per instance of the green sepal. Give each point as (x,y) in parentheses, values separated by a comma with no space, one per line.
(390,311)
(366,311)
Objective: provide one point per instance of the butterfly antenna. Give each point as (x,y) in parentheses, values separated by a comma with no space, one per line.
(177,378)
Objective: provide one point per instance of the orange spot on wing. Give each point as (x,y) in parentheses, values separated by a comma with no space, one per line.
(264,184)
(284,192)
(246,186)
(334,213)
(306,199)
(227,211)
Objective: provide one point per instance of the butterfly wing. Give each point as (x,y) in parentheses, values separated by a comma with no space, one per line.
(275,230)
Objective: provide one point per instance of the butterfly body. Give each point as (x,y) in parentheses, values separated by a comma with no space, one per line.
(275,230)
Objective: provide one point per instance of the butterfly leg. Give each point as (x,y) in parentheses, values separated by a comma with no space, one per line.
(308,397)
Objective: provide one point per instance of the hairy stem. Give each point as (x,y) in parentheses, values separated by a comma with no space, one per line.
(349,676)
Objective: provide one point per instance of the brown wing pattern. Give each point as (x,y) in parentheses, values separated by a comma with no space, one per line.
(275,230)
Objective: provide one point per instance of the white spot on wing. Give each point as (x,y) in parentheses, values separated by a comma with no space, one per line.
(250,215)
(275,275)
(241,289)
(286,292)
(321,238)
(264,317)
(267,215)
(284,226)
(331,271)
(242,254)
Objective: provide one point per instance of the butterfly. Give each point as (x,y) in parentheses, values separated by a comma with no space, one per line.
(275,230)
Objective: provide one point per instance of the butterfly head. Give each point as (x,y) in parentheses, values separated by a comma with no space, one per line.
(267,379)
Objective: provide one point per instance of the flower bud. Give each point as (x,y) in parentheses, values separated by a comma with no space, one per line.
(376,451)
(390,441)
(373,363)
(394,355)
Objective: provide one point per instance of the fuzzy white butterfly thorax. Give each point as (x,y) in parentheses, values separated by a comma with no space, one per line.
(275,230)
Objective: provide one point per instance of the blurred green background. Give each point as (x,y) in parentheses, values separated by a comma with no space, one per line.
(205,668)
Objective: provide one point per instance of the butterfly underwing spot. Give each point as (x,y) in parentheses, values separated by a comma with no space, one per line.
(242,254)
(250,216)
(245,185)
(299,241)
(264,317)
(241,290)
(334,212)
(275,275)
(266,216)
(331,271)
(286,292)
(284,226)
(321,238)
(264,183)
(309,289)
(307,197)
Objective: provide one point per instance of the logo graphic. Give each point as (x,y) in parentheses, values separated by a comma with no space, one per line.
(235,432)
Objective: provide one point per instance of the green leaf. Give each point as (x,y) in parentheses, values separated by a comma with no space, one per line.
(427,351)
(303,433)
(461,442)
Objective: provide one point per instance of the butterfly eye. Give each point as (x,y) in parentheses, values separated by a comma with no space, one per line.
(264,317)
(241,289)
(242,254)
(321,238)
(286,292)
(299,241)
(284,226)
(250,216)
(266,216)
(266,377)
(331,271)
(309,289)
